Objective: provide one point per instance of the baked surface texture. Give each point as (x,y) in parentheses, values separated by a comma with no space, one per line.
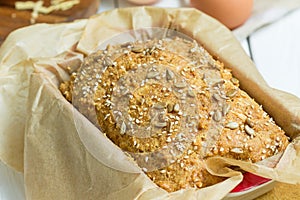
(170,105)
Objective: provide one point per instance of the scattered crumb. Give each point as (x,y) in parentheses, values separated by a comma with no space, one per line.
(37,7)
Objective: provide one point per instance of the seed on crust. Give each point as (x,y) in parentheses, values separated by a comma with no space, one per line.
(158,106)
(217,116)
(250,123)
(170,107)
(225,109)
(176,107)
(160,124)
(217,97)
(249,130)
(152,74)
(137,49)
(190,93)
(231,93)
(232,125)
(234,81)
(180,84)
(169,75)
(169,127)
(237,150)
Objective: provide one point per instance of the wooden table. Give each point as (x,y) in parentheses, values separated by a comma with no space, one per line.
(275,49)
(12,19)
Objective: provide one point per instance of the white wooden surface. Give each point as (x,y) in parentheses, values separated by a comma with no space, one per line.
(276,52)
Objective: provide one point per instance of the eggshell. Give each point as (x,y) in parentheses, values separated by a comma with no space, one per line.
(232,13)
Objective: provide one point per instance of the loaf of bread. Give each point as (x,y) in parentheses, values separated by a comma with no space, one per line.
(170,105)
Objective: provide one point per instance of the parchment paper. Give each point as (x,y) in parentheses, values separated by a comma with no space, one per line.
(58,164)
(16,64)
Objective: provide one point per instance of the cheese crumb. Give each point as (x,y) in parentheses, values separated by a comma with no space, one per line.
(37,7)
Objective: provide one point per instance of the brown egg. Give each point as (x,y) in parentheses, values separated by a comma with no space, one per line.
(232,13)
(143,2)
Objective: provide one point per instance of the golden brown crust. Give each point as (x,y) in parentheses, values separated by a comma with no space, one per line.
(228,122)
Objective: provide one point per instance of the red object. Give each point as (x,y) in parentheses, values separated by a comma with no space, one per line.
(249,181)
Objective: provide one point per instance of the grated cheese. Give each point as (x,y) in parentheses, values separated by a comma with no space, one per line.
(37,7)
